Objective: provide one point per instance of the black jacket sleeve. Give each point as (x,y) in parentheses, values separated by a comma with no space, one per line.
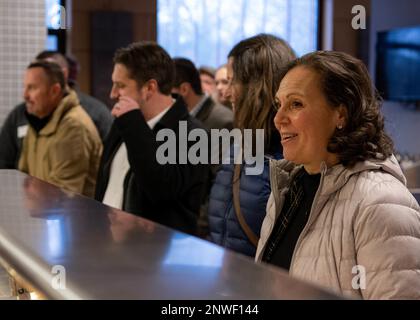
(10,144)
(159,182)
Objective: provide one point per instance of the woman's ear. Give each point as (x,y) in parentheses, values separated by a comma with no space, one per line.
(342,116)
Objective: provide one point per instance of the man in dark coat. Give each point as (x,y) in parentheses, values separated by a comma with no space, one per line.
(187,84)
(213,115)
(131,177)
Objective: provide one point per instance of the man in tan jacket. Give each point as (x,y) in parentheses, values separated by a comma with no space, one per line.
(62,146)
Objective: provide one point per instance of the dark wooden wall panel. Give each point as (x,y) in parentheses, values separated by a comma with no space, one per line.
(109,31)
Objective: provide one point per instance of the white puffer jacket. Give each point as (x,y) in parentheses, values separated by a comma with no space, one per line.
(362,238)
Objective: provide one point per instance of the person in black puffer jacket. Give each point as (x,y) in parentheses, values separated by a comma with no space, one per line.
(255,69)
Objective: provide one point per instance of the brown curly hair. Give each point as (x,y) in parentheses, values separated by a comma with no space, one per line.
(345,82)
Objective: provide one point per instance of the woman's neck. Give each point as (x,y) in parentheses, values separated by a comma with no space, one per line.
(315,167)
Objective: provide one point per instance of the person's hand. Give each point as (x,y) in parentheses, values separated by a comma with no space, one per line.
(124,105)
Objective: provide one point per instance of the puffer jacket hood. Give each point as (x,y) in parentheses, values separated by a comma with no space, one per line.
(283,170)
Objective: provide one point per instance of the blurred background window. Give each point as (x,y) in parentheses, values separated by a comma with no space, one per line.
(205,30)
(55,22)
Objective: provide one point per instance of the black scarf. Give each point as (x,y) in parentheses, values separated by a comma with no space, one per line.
(37,123)
(292,219)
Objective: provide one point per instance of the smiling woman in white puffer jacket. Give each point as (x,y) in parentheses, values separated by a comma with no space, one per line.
(339,214)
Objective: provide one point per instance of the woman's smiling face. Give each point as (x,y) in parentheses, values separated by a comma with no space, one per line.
(305,119)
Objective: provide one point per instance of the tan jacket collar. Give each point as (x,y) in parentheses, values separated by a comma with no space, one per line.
(68,102)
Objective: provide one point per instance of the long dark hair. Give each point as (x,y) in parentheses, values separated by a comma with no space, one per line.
(258,67)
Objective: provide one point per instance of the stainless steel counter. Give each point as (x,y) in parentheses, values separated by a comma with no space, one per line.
(67,246)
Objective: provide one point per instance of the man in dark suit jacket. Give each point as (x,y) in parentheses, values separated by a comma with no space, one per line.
(187,84)
(130,176)
(212,114)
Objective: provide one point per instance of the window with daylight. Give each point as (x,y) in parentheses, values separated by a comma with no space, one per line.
(55,16)
(205,30)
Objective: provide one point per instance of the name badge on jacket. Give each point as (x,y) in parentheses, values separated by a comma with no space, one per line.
(22,131)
